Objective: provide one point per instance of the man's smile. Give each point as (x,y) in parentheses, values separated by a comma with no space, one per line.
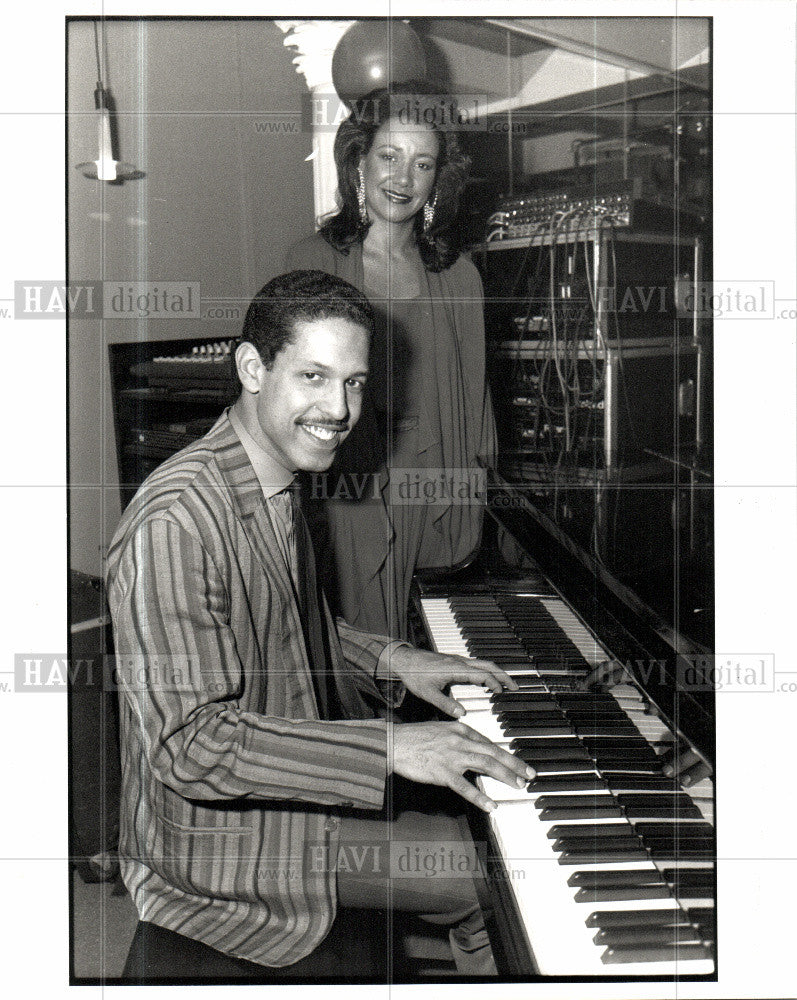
(323,433)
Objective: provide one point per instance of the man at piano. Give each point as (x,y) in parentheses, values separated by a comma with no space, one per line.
(249,735)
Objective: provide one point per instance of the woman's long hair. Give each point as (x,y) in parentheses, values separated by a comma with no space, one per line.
(354,138)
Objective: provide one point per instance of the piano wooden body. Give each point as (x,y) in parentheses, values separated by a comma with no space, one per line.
(605,864)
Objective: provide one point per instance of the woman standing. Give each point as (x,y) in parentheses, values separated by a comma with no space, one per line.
(428,428)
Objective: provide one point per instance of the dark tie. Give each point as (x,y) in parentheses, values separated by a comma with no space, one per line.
(316,637)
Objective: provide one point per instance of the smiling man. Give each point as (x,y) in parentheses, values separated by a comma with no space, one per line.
(251,747)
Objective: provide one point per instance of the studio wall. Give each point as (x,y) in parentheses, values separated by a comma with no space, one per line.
(209,111)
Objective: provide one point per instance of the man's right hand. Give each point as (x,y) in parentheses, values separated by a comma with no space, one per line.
(440,753)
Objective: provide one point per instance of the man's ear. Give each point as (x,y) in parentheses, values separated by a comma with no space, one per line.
(249,366)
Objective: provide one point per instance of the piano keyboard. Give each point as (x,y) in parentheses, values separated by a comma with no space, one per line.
(611,864)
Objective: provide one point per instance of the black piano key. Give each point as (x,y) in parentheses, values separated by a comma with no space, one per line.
(550,639)
(487,613)
(545,743)
(578,699)
(684,875)
(575,802)
(553,643)
(521,714)
(565,767)
(549,669)
(654,953)
(535,624)
(625,749)
(600,712)
(617,893)
(553,753)
(620,760)
(668,812)
(490,649)
(592,831)
(599,720)
(557,812)
(606,855)
(475,612)
(632,742)
(548,647)
(522,717)
(684,891)
(621,937)
(669,850)
(528,678)
(612,767)
(624,876)
(566,844)
(586,729)
(487,630)
(564,784)
(634,918)
(678,800)
(705,924)
(484,644)
(703,830)
(522,667)
(526,729)
(523,699)
(639,782)
(558,684)
(508,656)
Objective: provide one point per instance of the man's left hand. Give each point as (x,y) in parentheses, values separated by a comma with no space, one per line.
(428,674)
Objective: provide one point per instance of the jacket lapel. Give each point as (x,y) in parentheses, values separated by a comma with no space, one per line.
(249,505)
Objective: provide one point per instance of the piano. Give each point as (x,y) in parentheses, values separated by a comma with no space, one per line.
(604,865)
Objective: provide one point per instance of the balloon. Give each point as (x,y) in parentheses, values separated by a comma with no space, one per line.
(375,54)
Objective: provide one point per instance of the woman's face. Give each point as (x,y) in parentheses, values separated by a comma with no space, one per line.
(399,170)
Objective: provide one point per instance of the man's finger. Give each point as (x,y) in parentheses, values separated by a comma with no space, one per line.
(696,773)
(489,668)
(473,735)
(679,759)
(448,705)
(470,792)
(517,774)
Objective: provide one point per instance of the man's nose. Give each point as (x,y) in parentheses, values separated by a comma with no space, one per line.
(336,405)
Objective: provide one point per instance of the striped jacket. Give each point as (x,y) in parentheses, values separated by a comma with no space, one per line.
(230,781)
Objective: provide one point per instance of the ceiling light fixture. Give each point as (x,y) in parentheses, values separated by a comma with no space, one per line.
(106,167)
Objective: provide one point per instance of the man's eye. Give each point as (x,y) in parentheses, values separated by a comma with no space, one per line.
(387,156)
(311,376)
(356,383)
(426,166)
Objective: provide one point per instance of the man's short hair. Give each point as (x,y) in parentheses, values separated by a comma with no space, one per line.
(300,296)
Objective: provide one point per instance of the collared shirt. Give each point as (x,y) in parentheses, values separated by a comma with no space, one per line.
(275,482)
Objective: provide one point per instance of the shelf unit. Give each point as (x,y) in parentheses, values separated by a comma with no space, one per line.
(164,397)
(597,359)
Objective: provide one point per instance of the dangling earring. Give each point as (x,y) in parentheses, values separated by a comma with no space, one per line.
(428,214)
(364,219)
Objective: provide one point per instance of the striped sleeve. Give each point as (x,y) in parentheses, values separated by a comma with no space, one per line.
(371,653)
(361,649)
(171,625)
